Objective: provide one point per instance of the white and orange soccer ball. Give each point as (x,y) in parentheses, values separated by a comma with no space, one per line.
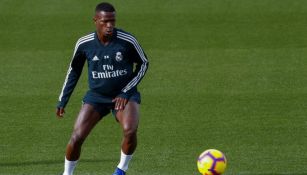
(211,162)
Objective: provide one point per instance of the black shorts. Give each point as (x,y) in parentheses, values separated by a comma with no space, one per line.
(105,108)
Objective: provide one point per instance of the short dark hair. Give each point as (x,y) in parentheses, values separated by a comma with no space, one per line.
(105,6)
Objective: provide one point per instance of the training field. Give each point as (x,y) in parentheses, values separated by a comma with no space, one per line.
(224,74)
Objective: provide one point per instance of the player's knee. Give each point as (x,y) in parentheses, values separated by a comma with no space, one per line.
(76,139)
(130,131)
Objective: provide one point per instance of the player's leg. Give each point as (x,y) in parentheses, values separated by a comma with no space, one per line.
(85,122)
(129,120)
(88,117)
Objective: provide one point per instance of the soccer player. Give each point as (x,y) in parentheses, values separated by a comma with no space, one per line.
(116,65)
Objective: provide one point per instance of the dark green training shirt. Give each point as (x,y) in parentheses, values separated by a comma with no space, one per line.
(113,70)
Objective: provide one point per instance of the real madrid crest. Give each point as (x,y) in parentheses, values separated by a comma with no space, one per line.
(119,56)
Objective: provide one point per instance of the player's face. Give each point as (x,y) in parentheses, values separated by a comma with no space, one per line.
(105,22)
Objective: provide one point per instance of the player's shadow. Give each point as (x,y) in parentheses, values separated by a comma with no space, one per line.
(48,162)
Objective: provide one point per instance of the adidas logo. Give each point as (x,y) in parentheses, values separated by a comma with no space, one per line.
(95,58)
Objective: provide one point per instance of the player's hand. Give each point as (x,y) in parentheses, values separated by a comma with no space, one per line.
(120,103)
(60,112)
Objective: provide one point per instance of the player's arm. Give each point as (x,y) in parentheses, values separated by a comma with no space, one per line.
(141,61)
(72,77)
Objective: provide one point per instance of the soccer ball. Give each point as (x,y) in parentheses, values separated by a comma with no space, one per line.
(211,162)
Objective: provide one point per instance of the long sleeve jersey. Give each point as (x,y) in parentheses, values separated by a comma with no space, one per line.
(114,69)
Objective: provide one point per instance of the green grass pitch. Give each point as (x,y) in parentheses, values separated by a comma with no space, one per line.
(224,74)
